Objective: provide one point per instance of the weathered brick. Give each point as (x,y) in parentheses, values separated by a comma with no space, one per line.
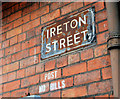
(6,94)
(31,33)
(11,76)
(11,86)
(50,16)
(39,12)
(34,50)
(31,8)
(39,67)
(75,92)
(99,6)
(28,61)
(49,75)
(21,20)
(19,93)
(103,26)
(74,69)
(100,87)
(102,38)
(30,81)
(20,55)
(7,59)
(34,41)
(31,24)
(71,7)
(87,77)
(7,12)
(62,61)
(98,63)
(10,67)
(49,65)
(47,87)
(13,49)
(25,45)
(14,32)
(24,4)
(5,44)
(30,71)
(100,50)
(21,73)
(51,94)
(43,3)
(73,58)
(15,8)
(14,16)
(1,53)
(107,73)
(34,90)
(101,16)
(87,54)
(7,27)
(13,40)
(56,5)
(3,37)
(68,82)
(21,37)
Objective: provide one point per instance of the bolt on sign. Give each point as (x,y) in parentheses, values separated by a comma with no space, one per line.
(68,34)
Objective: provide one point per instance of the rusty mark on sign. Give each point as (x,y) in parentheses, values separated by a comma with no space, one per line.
(68,34)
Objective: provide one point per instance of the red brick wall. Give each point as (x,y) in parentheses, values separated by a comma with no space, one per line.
(85,72)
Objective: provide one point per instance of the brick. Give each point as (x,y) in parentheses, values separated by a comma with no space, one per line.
(21,37)
(56,5)
(101,16)
(31,24)
(43,3)
(20,55)
(11,86)
(0,45)
(50,16)
(62,61)
(14,16)
(107,73)
(3,37)
(102,38)
(1,88)
(4,78)
(5,44)
(87,54)
(15,8)
(49,65)
(31,8)
(28,61)
(11,76)
(103,26)
(7,59)
(51,94)
(100,87)
(13,40)
(25,45)
(7,27)
(106,96)
(39,67)
(30,81)
(71,7)
(103,61)
(34,41)
(24,4)
(99,6)
(1,53)
(30,71)
(14,32)
(21,73)
(0,70)
(6,94)
(74,69)
(31,33)
(46,87)
(75,92)
(34,90)
(34,50)
(40,12)
(10,67)
(19,93)
(68,83)
(73,58)
(88,3)
(7,12)
(87,77)
(6,5)
(21,20)
(100,50)
(44,76)
(13,49)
